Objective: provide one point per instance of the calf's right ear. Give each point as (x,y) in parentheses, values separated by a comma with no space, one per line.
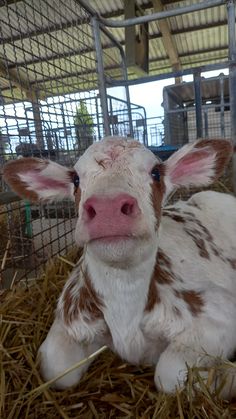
(38,179)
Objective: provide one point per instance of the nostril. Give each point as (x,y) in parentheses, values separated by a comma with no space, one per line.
(127,209)
(91,212)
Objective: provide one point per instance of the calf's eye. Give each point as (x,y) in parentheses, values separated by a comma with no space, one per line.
(155,173)
(76,180)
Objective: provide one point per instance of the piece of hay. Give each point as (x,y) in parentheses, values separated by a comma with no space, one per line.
(110,389)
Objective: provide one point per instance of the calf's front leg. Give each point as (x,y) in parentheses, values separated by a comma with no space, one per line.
(59,352)
(201,350)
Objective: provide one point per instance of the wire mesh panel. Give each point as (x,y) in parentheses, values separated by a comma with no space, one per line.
(47,52)
(180,111)
(49,108)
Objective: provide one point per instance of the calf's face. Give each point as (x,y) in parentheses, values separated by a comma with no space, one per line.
(117,217)
(119,188)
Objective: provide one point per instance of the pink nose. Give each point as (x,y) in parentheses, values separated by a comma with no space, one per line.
(106,217)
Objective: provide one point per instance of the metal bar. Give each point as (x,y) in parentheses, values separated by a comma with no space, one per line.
(167,118)
(161,15)
(192,108)
(37,121)
(98,119)
(125,73)
(101,78)
(206,123)
(222,107)
(232,79)
(173,74)
(198,103)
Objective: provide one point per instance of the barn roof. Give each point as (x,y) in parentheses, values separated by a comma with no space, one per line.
(211,88)
(47,46)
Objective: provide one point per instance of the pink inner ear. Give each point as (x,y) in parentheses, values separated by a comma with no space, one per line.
(192,164)
(42,182)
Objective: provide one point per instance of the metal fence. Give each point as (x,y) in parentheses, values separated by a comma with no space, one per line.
(54,103)
(181,118)
(50,107)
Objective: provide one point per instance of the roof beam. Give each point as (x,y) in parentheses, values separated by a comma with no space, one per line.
(167,39)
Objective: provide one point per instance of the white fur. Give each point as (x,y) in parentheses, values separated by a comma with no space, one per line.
(169,335)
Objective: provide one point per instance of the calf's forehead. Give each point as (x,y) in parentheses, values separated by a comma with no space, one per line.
(116,152)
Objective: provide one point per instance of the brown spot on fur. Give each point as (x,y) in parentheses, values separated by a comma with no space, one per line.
(162,270)
(201,236)
(174,209)
(232,263)
(77,195)
(223,150)
(190,215)
(199,242)
(101,163)
(162,274)
(193,204)
(158,190)
(85,301)
(194,301)
(176,217)
(70,307)
(177,311)
(90,301)
(153,295)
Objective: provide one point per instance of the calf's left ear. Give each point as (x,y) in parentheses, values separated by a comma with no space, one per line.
(37,179)
(197,164)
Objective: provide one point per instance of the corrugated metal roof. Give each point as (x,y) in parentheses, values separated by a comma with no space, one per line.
(210,90)
(48,45)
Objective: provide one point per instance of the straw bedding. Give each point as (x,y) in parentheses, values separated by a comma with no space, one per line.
(110,389)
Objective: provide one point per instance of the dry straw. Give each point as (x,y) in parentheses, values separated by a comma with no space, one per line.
(110,389)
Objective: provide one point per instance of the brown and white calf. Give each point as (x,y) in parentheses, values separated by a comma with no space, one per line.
(155,285)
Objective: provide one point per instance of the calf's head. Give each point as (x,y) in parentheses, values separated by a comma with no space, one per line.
(119,188)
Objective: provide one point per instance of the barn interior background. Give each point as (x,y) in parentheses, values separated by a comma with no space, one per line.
(57,60)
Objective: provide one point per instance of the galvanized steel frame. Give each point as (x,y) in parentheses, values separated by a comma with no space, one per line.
(231,63)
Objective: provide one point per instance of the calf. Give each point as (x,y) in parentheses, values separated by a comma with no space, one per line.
(156,285)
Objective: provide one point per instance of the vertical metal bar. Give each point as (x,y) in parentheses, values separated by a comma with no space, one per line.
(98,119)
(37,120)
(111,116)
(206,123)
(198,103)
(64,126)
(125,75)
(101,75)
(145,133)
(222,107)
(232,78)
(167,117)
